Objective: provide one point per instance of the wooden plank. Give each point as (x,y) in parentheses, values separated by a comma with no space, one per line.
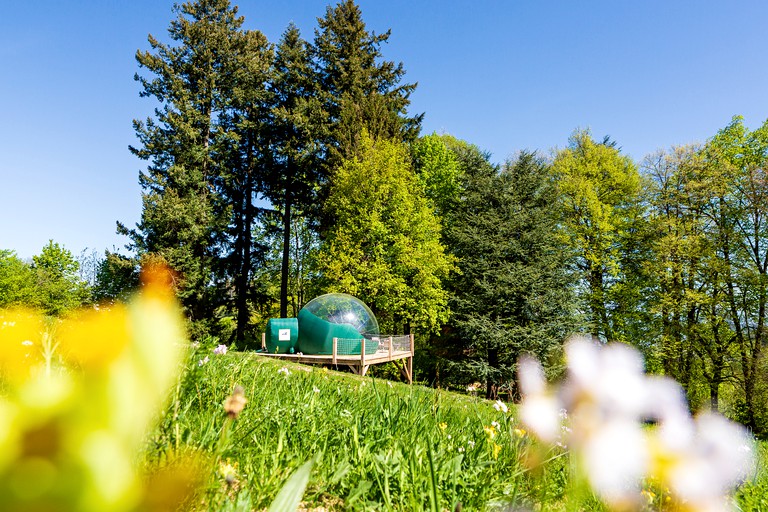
(335,349)
(264,340)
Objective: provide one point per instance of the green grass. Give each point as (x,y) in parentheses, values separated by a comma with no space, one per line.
(376,445)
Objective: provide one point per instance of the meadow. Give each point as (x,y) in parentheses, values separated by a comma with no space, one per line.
(374,444)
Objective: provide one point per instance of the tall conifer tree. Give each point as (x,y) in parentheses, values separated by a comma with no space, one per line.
(512,293)
(184,215)
(296,131)
(247,163)
(361,89)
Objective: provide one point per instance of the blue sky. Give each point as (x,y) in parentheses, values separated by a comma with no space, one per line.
(503,74)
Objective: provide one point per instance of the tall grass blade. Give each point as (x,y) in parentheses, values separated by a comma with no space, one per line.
(290,495)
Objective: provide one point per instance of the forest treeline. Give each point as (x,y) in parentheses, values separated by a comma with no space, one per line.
(277,171)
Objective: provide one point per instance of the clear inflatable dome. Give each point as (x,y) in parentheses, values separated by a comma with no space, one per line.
(340,308)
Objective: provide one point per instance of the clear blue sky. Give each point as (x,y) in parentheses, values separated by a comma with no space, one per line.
(503,74)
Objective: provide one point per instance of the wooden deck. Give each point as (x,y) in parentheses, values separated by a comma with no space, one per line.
(359,364)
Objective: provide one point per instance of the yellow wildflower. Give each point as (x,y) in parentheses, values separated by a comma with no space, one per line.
(490,432)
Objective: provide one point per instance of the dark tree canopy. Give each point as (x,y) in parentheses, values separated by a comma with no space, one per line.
(513,293)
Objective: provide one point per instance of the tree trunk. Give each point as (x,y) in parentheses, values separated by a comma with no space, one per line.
(491,386)
(244,275)
(286,244)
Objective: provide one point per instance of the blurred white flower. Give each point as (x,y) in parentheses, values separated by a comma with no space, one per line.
(615,458)
(284,371)
(623,427)
(500,406)
(609,376)
(203,361)
(315,389)
(220,350)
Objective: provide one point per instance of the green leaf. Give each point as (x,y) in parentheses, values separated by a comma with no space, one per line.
(290,495)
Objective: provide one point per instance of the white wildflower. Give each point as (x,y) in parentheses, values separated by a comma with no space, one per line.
(284,371)
(203,361)
(500,406)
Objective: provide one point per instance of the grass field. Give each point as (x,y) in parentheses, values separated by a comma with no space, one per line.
(376,445)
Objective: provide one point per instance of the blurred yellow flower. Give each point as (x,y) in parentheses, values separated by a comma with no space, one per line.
(21,333)
(69,435)
(93,338)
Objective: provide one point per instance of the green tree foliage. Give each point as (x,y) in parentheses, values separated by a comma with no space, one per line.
(296,136)
(247,162)
(117,277)
(17,281)
(186,143)
(689,299)
(438,170)
(600,197)
(738,159)
(303,277)
(385,245)
(360,89)
(512,294)
(59,287)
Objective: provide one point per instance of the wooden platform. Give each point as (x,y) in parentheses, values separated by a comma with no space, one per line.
(359,364)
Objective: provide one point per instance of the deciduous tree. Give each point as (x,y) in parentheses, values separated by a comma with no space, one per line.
(385,245)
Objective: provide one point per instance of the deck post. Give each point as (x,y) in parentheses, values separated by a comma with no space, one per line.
(362,355)
(410,359)
(335,349)
(264,341)
(390,348)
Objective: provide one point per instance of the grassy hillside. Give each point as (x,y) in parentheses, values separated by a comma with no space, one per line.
(377,445)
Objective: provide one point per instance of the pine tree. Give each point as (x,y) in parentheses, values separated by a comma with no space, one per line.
(184,216)
(512,293)
(361,90)
(296,128)
(247,164)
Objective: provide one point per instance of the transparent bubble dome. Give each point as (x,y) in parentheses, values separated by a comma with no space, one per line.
(340,308)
